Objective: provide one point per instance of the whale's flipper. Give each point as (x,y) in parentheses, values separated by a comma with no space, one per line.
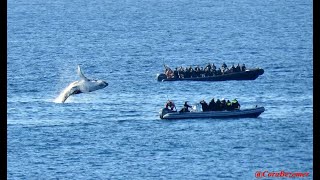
(81,74)
(68,91)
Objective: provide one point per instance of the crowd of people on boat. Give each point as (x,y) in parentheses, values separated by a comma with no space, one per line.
(219,105)
(207,71)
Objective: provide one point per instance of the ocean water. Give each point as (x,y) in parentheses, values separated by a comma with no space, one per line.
(116,132)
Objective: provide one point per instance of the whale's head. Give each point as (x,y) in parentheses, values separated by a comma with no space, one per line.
(97,84)
(101,83)
(88,85)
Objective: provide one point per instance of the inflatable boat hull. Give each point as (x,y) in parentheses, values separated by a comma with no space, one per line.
(245,113)
(249,74)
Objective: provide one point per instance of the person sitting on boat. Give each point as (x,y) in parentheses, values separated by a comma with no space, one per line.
(224,66)
(213,66)
(207,72)
(202,73)
(204,105)
(218,105)
(232,69)
(212,72)
(238,68)
(218,72)
(176,73)
(243,67)
(193,73)
(186,107)
(228,106)
(225,70)
(187,73)
(197,70)
(235,104)
(212,105)
(170,105)
(181,72)
(223,104)
(208,66)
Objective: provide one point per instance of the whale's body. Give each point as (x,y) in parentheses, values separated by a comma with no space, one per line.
(84,85)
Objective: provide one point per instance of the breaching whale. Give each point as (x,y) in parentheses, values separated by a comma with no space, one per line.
(84,85)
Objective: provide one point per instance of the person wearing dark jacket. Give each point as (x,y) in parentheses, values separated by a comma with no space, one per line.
(197,70)
(228,106)
(219,72)
(238,68)
(232,69)
(235,104)
(185,107)
(175,73)
(218,105)
(204,105)
(243,67)
(223,104)
(170,104)
(212,105)
(224,65)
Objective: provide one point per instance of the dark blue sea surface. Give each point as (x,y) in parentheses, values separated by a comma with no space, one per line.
(116,132)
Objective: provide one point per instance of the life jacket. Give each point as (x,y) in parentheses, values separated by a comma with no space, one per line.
(235,104)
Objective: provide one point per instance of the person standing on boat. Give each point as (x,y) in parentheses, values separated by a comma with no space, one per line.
(186,107)
(171,105)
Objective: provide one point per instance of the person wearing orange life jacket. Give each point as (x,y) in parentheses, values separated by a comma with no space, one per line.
(170,105)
